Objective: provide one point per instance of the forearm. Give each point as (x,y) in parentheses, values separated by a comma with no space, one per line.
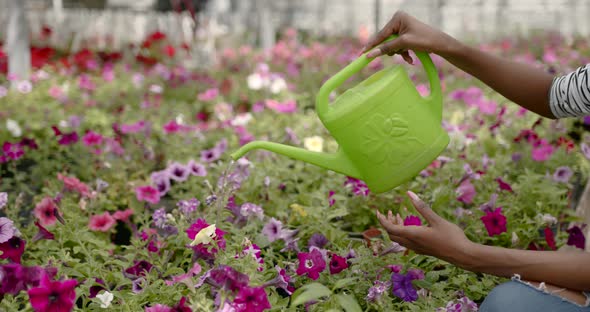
(523,84)
(565,269)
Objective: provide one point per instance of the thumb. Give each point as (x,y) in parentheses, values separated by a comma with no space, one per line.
(390,47)
(423,209)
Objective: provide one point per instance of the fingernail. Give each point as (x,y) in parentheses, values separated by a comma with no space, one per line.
(413,196)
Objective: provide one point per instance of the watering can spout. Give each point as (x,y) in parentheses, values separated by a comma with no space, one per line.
(337,162)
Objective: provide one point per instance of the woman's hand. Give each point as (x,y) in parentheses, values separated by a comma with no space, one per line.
(440,238)
(412,35)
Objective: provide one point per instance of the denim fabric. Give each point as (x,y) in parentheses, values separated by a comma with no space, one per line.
(516,296)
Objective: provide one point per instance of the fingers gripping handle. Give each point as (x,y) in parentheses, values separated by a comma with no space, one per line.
(335,81)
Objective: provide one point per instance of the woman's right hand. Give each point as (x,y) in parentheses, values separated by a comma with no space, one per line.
(412,35)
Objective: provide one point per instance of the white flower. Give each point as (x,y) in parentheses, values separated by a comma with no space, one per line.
(13,128)
(255,82)
(156,89)
(205,236)
(3,91)
(549,219)
(515,238)
(314,143)
(105,299)
(241,120)
(24,86)
(277,85)
(63,124)
(180,119)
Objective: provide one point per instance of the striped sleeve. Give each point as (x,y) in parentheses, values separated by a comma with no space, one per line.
(570,94)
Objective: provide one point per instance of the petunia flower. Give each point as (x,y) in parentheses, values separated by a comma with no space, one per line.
(251,299)
(576,237)
(7,229)
(123,215)
(549,238)
(281,281)
(188,206)
(43,233)
(466,192)
(227,278)
(140,268)
(503,185)
(314,143)
(105,299)
(178,172)
(490,205)
(377,290)
(317,240)
(250,209)
(208,234)
(158,308)
(54,296)
(3,199)
(337,264)
(196,168)
(13,277)
(562,174)
(102,223)
(412,220)
(47,213)
(311,264)
(273,230)
(148,194)
(161,181)
(208,95)
(13,151)
(358,187)
(68,138)
(286,107)
(92,138)
(75,185)
(403,288)
(542,151)
(196,269)
(495,222)
(585,150)
(172,127)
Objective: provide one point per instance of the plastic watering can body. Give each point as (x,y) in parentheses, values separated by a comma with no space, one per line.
(386,131)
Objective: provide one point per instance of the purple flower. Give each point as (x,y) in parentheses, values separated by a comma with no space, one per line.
(178,172)
(311,264)
(3,199)
(13,277)
(159,217)
(249,209)
(576,237)
(377,290)
(562,174)
(403,288)
(291,136)
(7,229)
(161,180)
(196,169)
(188,206)
(412,220)
(585,150)
(318,240)
(273,230)
(210,155)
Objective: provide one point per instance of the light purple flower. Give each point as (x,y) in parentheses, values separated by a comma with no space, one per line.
(196,168)
(178,172)
(490,205)
(377,290)
(291,136)
(249,209)
(159,217)
(585,150)
(210,155)
(562,174)
(3,199)
(7,229)
(273,230)
(188,206)
(24,87)
(161,180)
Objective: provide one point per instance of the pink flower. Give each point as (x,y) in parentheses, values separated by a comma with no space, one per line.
(102,223)
(148,194)
(208,95)
(495,222)
(311,263)
(53,296)
(251,299)
(466,192)
(133,128)
(56,92)
(423,89)
(504,186)
(542,151)
(73,184)
(92,138)
(46,211)
(488,107)
(412,220)
(286,107)
(196,269)
(123,215)
(159,308)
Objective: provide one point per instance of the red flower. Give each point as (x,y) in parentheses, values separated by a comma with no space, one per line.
(53,296)
(156,36)
(46,31)
(169,50)
(103,222)
(47,213)
(337,264)
(495,222)
(550,238)
(13,249)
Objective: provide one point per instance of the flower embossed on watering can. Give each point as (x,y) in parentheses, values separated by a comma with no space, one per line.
(382,143)
(386,131)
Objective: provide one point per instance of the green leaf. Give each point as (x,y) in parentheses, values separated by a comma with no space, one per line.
(344,282)
(340,212)
(310,292)
(422,284)
(348,303)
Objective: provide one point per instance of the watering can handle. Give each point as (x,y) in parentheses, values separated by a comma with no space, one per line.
(435,96)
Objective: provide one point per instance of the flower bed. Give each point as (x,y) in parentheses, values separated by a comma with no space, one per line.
(117,188)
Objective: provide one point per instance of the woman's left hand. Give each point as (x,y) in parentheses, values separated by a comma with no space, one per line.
(441,238)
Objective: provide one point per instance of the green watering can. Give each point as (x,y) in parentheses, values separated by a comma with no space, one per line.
(386,131)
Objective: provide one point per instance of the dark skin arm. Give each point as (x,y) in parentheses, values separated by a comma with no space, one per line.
(523,84)
(446,241)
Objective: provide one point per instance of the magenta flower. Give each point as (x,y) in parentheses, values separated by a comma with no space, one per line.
(158,308)
(102,223)
(148,194)
(208,95)
(178,172)
(68,138)
(202,249)
(331,200)
(73,184)
(46,211)
(286,107)
(13,151)
(251,299)
(43,233)
(140,268)
(412,220)
(7,229)
(228,278)
(161,180)
(495,222)
(281,281)
(311,263)
(576,237)
(172,127)
(403,288)
(133,128)
(562,174)
(196,169)
(358,187)
(504,186)
(337,264)
(466,192)
(92,138)
(56,296)
(13,277)
(273,230)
